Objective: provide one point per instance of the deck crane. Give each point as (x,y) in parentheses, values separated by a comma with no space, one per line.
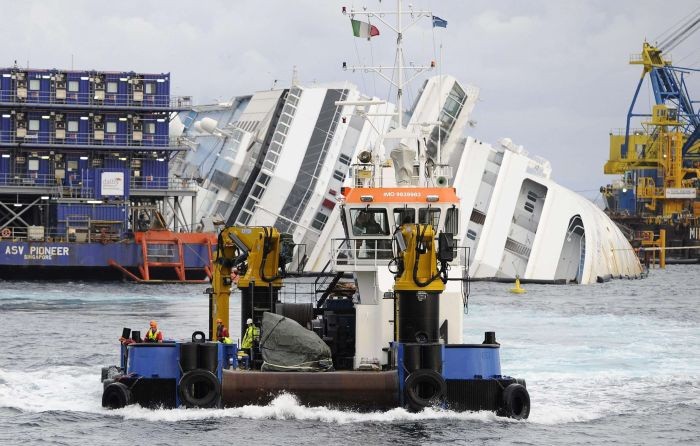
(659,162)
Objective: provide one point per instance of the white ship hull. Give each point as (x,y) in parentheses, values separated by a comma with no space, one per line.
(515,221)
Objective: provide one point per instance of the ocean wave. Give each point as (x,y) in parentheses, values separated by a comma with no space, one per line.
(286,407)
(556,399)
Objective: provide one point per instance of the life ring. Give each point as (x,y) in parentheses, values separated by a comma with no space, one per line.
(199,336)
(516,402)
(424,388)
(6,232)
(116,395)
(199,388)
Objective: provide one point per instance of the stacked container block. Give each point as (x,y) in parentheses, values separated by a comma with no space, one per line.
(64,129)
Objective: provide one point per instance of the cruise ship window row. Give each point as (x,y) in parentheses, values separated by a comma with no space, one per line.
(271,157)
(314,157)
(319,221)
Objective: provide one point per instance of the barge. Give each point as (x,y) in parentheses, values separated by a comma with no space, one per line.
(84,178)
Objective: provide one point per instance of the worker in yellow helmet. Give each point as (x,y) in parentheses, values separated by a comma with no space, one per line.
(153,334)
(252,334)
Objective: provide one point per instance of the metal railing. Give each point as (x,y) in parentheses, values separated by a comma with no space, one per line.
(364,253)
(148,140)
(56,235)
(109,99)
(84,187)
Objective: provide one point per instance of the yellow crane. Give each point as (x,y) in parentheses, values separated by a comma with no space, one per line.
(659,160)
(253,259)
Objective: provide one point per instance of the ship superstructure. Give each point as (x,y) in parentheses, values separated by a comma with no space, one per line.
(84,176)
(278,157)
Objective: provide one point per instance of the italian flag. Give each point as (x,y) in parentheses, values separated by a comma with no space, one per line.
(363,29)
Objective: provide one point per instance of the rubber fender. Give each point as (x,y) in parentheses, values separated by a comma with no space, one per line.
(199,388)
(199,336)
(207,356)
(424,388)
(116,395)
(516,402)
(110,372)
(188,356)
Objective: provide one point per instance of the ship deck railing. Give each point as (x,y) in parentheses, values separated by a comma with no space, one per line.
(56,235)
(82,186)
(623,131)
(80,99)
(87,140)
(360,254)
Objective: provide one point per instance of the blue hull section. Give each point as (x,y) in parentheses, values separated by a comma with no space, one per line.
(68,254)
(128,255)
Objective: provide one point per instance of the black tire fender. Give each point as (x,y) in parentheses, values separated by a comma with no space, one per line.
(516,402)
(424,377)
(116,395)
(199,336)
(194,383)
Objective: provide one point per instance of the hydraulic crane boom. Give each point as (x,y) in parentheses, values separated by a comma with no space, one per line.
(257,257)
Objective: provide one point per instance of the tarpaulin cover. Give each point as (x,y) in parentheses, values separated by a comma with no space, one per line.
(286,346)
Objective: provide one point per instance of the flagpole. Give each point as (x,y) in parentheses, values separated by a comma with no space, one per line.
(399,57)
(439,147)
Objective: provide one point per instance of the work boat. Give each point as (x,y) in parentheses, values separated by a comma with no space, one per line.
(394,341)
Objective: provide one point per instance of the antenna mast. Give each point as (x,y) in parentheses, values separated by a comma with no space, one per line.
(399,68)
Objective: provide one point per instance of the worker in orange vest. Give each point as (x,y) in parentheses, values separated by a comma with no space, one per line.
(153,334)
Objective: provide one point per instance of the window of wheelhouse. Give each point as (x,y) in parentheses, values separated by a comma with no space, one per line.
(404,215)
(368,221)
(429,216)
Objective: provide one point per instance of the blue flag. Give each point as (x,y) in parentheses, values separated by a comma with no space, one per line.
(439,23)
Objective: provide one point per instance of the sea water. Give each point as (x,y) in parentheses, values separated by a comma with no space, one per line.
(608,363)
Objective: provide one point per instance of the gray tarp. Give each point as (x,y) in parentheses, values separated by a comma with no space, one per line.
(286,346)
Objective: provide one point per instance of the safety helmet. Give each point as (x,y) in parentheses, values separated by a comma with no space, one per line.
(153,324)
(249,321)
(218,321)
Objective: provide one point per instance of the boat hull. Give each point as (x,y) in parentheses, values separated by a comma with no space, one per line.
(85,261)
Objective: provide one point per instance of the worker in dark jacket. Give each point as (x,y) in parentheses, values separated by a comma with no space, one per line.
(153,334)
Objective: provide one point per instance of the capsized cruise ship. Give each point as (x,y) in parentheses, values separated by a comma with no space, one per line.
(280,158)
(277,158)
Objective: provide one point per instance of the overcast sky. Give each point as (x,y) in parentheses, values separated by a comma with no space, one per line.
(554,75)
